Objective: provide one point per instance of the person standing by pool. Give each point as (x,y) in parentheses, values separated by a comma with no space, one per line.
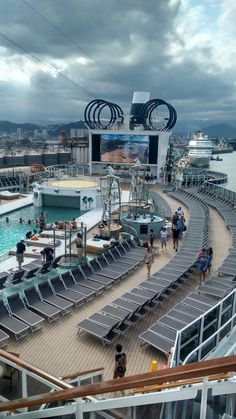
(20,249)
(149,259)
(47,254)
(79,246)
(7,220)
(42,219)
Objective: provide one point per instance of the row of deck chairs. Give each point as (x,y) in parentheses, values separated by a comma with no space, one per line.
(224,283)
(58,295)
(29,271)
(125,311)
(162,333)
(9,183)
(160,201)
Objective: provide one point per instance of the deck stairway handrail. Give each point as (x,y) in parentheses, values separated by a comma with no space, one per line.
(81,373)
(180,374)
(18,363)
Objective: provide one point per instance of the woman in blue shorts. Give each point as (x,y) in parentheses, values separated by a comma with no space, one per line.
(202,268)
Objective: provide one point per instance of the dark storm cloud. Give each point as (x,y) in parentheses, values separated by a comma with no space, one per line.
(111,48)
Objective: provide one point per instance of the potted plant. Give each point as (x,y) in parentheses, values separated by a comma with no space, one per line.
(85,201)
(90,201)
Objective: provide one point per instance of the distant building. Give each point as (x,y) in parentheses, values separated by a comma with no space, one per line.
(18,132)
(77,133)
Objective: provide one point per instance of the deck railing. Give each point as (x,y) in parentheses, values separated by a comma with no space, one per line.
(201,384)
(219,192)
(196,340)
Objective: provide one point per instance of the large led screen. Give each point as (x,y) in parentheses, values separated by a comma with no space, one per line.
(120,148)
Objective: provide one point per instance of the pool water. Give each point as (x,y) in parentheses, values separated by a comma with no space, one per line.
(10,233)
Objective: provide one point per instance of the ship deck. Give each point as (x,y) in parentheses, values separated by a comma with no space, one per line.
(59,350)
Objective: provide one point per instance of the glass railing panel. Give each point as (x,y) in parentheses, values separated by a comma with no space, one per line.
(225,317)
(207,348)
(210,330)
(182,409)
(224,332)
(221,406)
(227,302)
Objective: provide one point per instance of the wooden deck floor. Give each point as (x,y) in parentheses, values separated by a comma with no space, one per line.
(59,350)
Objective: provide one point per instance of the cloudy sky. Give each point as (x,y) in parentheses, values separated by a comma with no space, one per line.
(58,55)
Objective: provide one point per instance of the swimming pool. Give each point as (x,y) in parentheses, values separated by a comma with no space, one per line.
(11,232)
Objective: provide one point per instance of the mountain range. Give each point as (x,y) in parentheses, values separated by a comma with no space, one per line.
(216,129)
(186,128)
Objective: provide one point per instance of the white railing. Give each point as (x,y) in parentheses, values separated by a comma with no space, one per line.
(200,327)
(174,403)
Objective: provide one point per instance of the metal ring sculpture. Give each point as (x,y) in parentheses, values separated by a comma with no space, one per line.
(92,114)
(148,109)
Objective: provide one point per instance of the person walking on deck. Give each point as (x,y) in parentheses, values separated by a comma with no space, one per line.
(175,233)
(120,363)
(175,218)
(149,259)
(209,256)
(202,266)
(164,237)
(180,225)
(151,237)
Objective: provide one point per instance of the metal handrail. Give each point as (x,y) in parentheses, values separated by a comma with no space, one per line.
(205,342)
(200,318)
(181,373)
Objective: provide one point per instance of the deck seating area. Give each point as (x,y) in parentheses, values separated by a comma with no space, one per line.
(9,183)
(160,201)
(57,295)
(228,212)
(29,271)
(206,296)
(162,333)
(139,301)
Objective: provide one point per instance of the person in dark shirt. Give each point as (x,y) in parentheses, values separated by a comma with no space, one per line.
(120,363)
(47,254)
(29,235)
(175,233)
(175,218)
(20,249)
(151,237)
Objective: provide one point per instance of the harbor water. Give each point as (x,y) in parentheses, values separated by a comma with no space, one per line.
(228,166)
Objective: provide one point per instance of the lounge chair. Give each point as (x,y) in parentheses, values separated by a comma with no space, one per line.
(3,278)
(15,326)
(34,302)
(105,320)
(85,282)
(97,330)
(18,310)
(88,273)
(3,338)
(61,290)
(47,295)
(115,312)
(152,338)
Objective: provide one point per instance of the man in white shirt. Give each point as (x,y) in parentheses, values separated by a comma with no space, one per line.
(180,212)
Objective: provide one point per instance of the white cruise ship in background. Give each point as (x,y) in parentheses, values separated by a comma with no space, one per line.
(200,150)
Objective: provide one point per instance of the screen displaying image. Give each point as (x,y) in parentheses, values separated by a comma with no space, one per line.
(119,148)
